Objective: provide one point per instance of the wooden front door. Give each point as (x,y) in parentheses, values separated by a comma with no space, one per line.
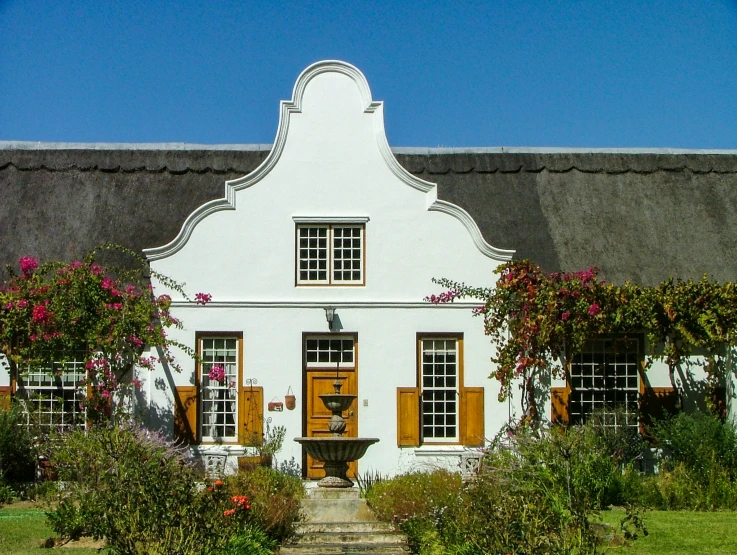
(326,356)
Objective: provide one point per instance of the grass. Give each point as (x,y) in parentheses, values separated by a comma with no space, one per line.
(681,533)
(22,530)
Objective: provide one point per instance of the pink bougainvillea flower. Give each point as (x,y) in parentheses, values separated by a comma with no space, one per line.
(594,309)
(27,265)
(445,297)
(40,314)
(202,298)
(217,373)
(107,283)
(23,303)
(565,316)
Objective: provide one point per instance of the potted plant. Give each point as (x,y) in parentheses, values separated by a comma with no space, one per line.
(270,444)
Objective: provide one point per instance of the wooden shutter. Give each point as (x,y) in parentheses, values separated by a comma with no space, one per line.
(251,417)
(185,414)
(5,393)
(408,417)
(656,403)
(560,405)
(472,416)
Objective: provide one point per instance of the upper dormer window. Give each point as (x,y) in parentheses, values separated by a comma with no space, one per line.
(330,252)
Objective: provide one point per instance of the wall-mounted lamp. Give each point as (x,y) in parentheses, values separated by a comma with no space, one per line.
(330,315)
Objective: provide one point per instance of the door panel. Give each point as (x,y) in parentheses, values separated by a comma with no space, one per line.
(319,381)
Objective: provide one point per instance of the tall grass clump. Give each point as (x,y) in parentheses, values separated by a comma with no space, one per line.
(698,464)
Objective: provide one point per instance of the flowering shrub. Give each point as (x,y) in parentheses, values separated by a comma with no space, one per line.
(539,321)
(273,497)
(56,312)
(139,493)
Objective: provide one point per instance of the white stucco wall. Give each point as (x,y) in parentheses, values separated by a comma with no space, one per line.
(331,160)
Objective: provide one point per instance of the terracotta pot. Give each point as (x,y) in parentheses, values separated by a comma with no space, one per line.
(246,464)
(48,471)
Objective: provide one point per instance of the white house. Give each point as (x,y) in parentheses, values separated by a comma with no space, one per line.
(331,219)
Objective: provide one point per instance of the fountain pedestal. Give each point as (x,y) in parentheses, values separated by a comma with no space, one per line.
(336,451)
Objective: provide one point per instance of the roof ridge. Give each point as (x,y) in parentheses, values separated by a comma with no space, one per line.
(180,146)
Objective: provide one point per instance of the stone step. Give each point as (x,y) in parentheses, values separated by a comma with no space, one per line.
(340,549)
(352,538)
(336,510)
(366,526)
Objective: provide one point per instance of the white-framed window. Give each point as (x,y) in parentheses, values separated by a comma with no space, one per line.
(330,253)
(52,397)
(440,377)
(605,380)
(219,379)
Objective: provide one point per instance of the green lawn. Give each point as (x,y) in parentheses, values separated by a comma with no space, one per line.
(681,533)
(23,530)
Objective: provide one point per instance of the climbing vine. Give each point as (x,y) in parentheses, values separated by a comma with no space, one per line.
(538,321)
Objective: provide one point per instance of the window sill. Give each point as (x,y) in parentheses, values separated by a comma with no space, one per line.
(441,450)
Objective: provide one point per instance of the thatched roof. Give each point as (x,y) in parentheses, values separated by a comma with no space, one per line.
(642,215)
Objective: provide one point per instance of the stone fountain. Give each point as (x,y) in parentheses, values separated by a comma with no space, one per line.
(336,451)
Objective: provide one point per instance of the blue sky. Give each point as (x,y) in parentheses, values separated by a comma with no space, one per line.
(597,73)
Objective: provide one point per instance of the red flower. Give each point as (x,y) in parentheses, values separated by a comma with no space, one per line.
(594,309)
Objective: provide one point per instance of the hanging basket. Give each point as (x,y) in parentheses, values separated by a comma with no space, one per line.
(290,400)
(275,405)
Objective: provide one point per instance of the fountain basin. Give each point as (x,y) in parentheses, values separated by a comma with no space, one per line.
(336,453)
(337,401)
(336,449)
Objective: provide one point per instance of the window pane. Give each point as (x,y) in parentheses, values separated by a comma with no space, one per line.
(604,379)
(439,388)
(219,380)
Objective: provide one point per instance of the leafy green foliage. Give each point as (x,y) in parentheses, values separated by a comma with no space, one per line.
(539,491)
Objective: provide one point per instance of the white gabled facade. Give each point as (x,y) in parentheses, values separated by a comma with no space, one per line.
(331,169)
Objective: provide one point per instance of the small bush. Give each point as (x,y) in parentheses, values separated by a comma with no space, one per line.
(700,441)
(698,468)
(415,495)
(275,499)
(17,453)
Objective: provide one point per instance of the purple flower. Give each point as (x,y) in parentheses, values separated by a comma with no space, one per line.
(202,298)
(594,309)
